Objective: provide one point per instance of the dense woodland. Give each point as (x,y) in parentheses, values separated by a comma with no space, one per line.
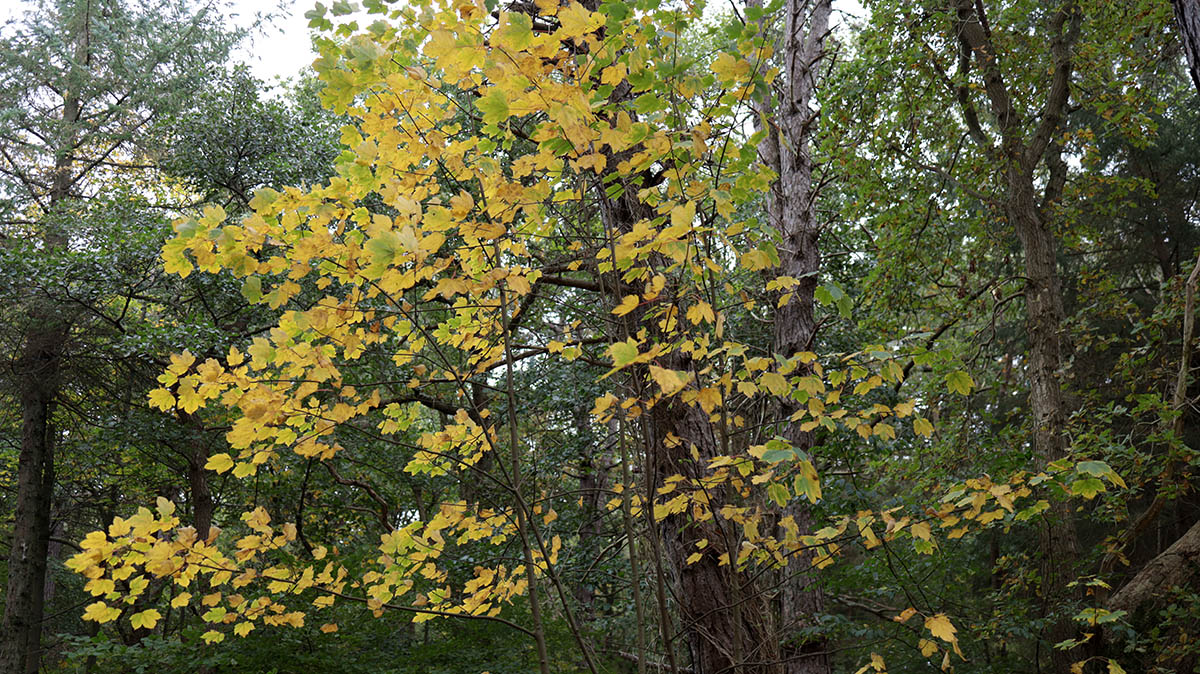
(602,336)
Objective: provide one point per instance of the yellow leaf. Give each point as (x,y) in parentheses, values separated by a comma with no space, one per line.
(710,398)
(939,626)
(329,627)
(613,74)
(920,530)
(670,381)
(181,599)
(775,383)
(161,399)
(628,304)
(100,612)
(180,362)
(219,462)
(577,21)
(922,427)
(145,620)
(212,637)
(701,311)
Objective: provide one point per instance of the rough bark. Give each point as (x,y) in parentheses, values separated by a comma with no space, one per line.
(1020,152)
(1043,321)
(722,620)
(1175,566)
(1187,15)
(38,375)
(793,214)
(38,370)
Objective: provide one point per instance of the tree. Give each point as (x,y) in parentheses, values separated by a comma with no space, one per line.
(80,79)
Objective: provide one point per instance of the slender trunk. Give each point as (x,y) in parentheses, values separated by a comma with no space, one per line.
(535,608)
(631,542)
(1043,320)
(201,495)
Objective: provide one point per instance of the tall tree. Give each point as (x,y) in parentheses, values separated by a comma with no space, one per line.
(80,79)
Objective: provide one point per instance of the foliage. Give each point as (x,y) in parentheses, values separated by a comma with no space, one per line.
(497,373)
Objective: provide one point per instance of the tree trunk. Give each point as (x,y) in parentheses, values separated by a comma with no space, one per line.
(1187,14)
(1044,318)
(38,371)
(793,214)
(38,375)
(1175,566)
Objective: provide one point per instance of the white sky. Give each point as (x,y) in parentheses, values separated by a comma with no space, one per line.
(282,49)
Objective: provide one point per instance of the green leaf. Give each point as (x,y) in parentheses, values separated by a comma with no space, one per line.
(623,353)
(776,455)
(807,481)
(960,382)
(252,289)
(1087,487)
(779,494)
(494,107)
(1032,511)
(263,197)
(515,32)
(1099,469)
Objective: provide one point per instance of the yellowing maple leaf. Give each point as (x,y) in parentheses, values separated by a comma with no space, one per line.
(941,627)
(219,462)
(145,620)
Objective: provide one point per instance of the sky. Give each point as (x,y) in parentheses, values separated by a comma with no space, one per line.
(282,48)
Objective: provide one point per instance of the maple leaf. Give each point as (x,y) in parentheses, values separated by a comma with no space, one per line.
(941,627)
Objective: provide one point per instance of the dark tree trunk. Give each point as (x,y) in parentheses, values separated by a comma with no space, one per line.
(1043,320)
(1020,152)
(39,371)
(1176,566)
(38,375)
(1187,14)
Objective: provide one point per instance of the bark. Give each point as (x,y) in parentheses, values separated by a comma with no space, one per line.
(1187,15)
(38,374)
(38,370)
(793,214)
(1175,566)
(201,495)
(724,617)
(1020,153)
(1043,321)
